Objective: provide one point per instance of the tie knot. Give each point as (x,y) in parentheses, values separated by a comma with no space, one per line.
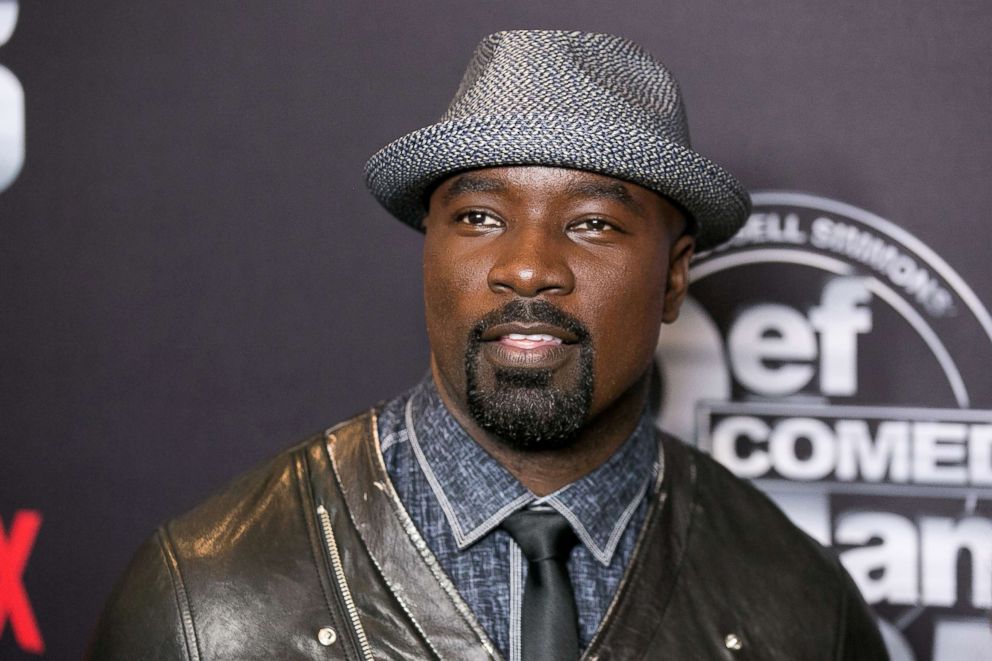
(541,535)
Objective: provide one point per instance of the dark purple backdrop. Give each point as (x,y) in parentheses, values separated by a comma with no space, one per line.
(192,275)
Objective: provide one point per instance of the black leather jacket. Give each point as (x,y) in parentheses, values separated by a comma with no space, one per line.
(312,556)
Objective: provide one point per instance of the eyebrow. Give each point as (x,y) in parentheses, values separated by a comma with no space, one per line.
(615,191)
(473,183)
(476,183)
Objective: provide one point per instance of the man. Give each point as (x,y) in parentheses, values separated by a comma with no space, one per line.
(518,502)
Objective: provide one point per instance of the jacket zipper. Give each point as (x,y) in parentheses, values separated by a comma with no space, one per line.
(349,604)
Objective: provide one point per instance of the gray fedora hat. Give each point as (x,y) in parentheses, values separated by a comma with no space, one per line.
(568,99)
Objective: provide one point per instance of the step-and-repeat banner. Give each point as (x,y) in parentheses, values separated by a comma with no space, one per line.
(192,277)
(842,365)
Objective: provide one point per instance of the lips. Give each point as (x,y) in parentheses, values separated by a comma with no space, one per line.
(526,332)
(530,335)
(528,345)
(529,341)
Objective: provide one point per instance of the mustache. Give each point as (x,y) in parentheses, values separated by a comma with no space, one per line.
(532,311)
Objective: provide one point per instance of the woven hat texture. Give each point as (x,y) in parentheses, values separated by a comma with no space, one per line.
(569,99)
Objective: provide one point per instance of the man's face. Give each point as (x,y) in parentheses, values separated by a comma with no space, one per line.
(545,289)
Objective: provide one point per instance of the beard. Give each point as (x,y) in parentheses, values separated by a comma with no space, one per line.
(523,407)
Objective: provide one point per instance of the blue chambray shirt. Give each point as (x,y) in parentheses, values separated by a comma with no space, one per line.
(457,495)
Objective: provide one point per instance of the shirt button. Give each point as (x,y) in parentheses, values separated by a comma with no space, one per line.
(326,636)
(733,642)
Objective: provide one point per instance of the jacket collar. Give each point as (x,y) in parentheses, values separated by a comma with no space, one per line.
(371,511)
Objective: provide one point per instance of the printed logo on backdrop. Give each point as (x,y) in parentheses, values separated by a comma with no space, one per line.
(15,605)
(16,542)
(843,366)
(11,105)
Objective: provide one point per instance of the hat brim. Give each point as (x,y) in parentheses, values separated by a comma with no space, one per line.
(400,174)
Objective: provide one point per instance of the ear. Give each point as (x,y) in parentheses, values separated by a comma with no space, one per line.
(678,276)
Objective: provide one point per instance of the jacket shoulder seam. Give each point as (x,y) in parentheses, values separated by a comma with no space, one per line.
(182,597)
(841,641)
(843,613)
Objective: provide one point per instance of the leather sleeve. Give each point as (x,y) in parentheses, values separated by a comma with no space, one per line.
(860,639)
(147,616)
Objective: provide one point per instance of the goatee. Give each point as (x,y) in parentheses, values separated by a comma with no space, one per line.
(524,407)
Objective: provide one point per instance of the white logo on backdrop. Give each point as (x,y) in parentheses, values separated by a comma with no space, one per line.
(11,105)
(838,362)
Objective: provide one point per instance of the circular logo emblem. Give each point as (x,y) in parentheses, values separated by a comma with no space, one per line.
(844,367)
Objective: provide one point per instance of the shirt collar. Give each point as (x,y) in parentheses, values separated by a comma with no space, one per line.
(600,504)
(477,493)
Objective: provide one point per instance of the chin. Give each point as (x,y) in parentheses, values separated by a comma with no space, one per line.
(526,410)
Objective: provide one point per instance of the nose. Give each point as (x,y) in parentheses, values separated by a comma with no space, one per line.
(531,262)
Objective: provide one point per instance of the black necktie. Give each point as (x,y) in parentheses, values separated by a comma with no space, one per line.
(549,622)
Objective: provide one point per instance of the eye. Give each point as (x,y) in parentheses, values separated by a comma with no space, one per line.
(479,219)
(596,225)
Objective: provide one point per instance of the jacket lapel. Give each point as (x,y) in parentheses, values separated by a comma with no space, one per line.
(399,553)
(639,605)
(425,595)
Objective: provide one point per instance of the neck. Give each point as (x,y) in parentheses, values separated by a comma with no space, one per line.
(546,471)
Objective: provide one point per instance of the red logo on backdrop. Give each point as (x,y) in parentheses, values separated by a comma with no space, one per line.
(15,549)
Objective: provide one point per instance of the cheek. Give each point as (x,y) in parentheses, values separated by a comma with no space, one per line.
(628,314)
(437,306)
(451,294)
